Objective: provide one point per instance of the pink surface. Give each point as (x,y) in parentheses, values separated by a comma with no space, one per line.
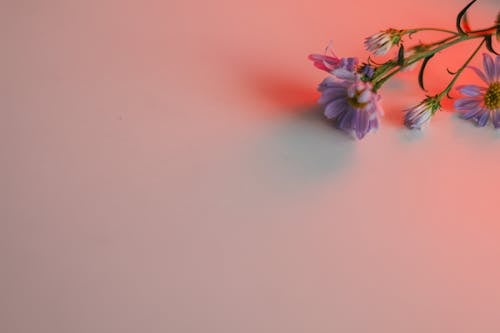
(165,169)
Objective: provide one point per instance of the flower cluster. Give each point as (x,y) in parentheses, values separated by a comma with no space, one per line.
(350,93)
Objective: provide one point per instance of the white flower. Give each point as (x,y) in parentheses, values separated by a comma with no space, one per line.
(418,116)
(382,42)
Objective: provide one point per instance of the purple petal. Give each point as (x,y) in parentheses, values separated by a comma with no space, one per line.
(480,74)
(346,119)
(472,112)
(344,74)
(331,93)
(335,108)
(470,90)
(483,118)
(363,124)
(496,118)
(327,83)
(416,118)
(331,82)
(349,63)
(489,67)
(464,104)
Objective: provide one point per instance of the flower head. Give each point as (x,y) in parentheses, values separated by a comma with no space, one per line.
(351,103)
(380,43)
(482,103)
(418,116)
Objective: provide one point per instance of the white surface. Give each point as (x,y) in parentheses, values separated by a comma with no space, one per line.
(164,169)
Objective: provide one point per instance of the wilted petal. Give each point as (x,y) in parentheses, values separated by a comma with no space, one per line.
(324,62)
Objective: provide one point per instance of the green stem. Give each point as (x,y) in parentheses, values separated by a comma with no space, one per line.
(457,74)
(412,31)
(378,82)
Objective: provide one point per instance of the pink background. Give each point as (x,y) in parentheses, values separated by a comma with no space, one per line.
(165,169)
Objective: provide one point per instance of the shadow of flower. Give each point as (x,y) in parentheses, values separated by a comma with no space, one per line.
(301,148)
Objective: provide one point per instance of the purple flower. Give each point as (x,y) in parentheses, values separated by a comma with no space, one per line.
(418,116)
(351,103)
(482,103)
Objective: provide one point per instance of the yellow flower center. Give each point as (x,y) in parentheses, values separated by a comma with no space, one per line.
(492,96)
(354,102)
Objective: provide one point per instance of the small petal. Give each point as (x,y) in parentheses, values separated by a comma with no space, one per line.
(483,118)
(489,67)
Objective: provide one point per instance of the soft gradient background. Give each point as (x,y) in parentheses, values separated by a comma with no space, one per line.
(165,169)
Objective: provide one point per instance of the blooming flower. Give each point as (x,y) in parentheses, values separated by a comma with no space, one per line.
(351,103)
(380,43)
(418,116)
(482,103)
